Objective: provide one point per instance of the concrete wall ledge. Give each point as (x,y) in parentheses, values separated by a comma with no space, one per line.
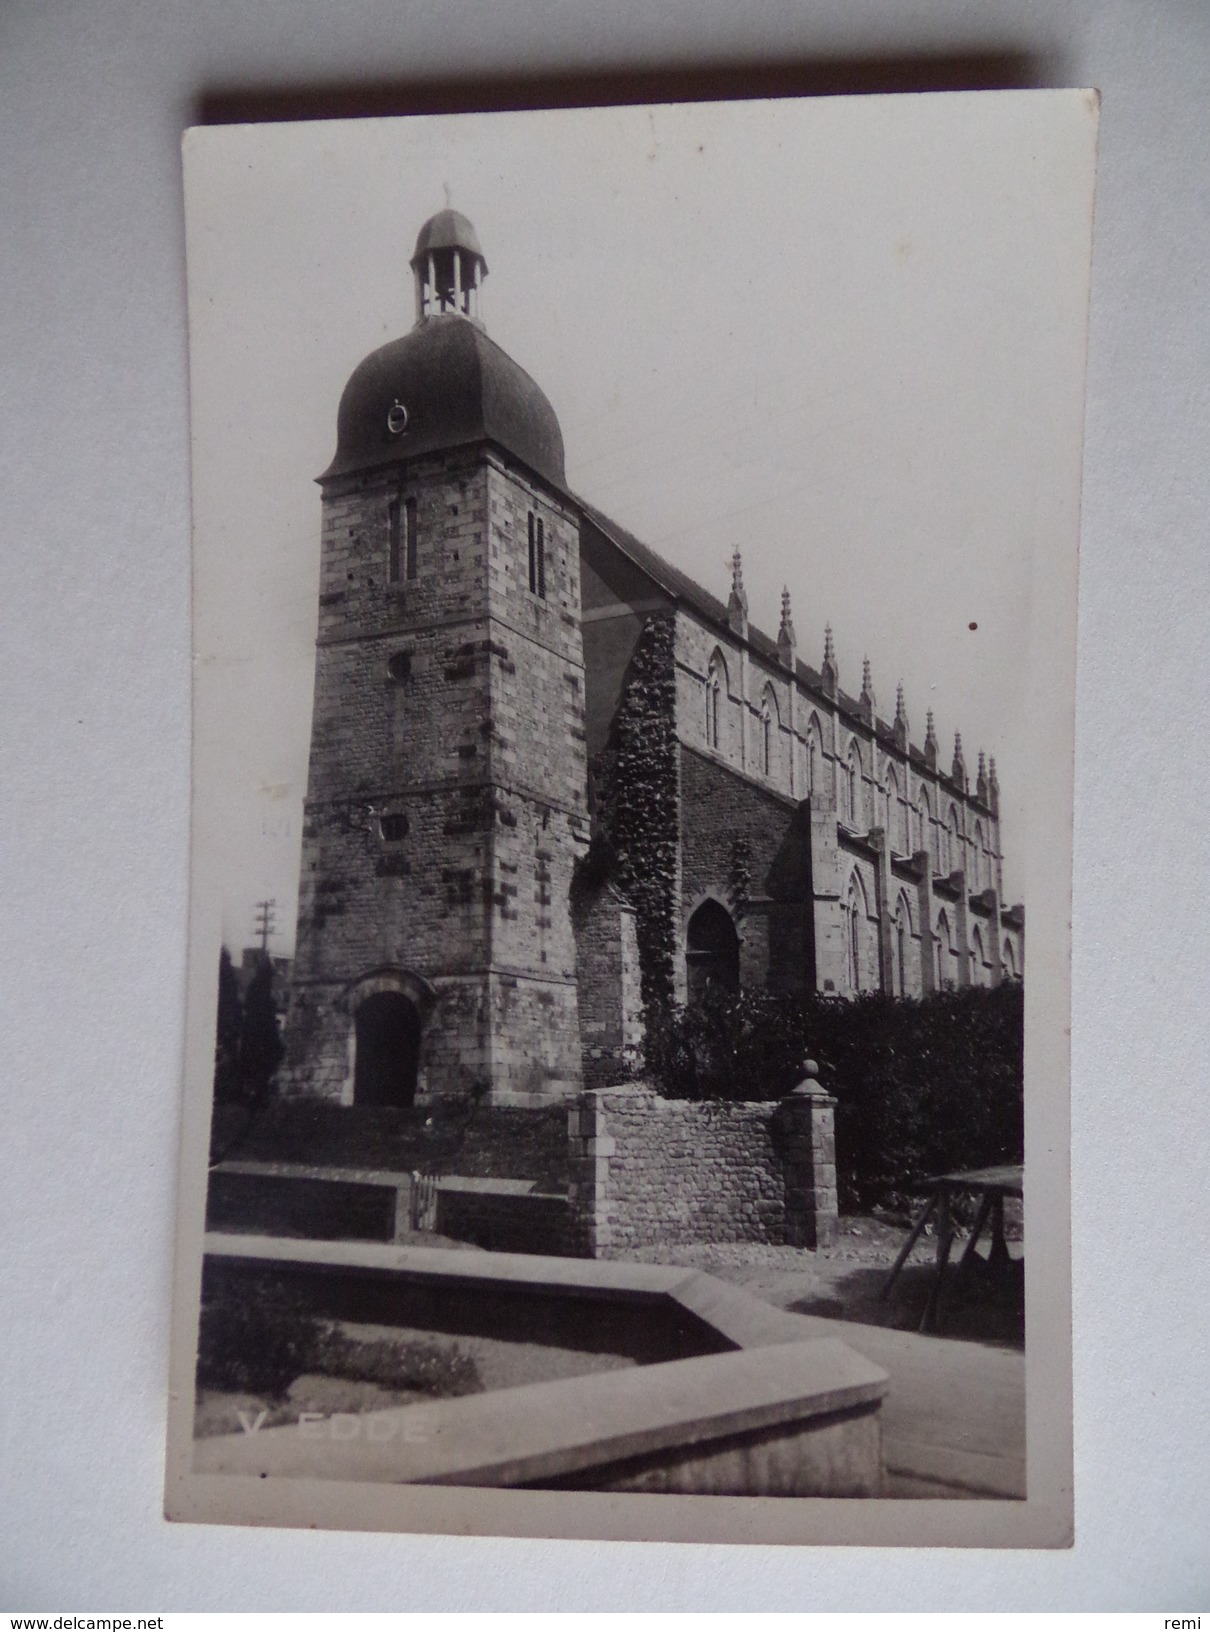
(304,1170)
(797,1419)
(379,1178)
(953,1419)
(488,1187)
(758,1405)
(443,1264)
(372,1204)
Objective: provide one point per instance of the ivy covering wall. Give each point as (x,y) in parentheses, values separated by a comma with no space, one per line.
(636,817)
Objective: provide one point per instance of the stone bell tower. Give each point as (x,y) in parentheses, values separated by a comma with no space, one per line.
(446,796)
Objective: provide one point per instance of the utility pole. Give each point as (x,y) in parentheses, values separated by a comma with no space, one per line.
(264,922)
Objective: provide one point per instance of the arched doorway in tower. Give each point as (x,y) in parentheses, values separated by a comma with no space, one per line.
(711,951)
(386,1050)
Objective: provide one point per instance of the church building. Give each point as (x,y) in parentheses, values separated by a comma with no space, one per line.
(554,782)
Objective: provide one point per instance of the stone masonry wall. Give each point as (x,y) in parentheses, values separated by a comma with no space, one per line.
(446,800)
(749,849)
(649,1171)
(402,688)
(608,987)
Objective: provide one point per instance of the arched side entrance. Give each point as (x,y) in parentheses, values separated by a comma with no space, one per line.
(388,1011)
(711,951)
(387,1050)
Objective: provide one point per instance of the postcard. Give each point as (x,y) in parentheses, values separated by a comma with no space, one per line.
(635,556)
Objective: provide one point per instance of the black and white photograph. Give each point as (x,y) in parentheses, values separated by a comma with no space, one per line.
(634,586)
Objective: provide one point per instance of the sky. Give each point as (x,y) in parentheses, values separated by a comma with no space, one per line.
(843,336)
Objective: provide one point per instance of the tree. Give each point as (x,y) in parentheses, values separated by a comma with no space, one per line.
(248,1051)
(228,1032)
(260,1049)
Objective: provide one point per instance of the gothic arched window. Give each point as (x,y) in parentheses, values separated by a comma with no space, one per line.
(979,858)
(768,720)
(854,947)
(945,951)
(893,834)
(1010,961)
(814,754)
(716,686)
(927,840)
(851,786)
(903,929)
(855,912)
(905,815)
(711,951)
(952,860)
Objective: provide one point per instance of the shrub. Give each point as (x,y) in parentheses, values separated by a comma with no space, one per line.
(922,1085)
(256,1342)
(747,1046)
(424,1366)
(256,1338)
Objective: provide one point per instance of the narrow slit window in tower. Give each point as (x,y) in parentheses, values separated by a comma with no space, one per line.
(411,554)
(393,572)
(537,556)
(402,563)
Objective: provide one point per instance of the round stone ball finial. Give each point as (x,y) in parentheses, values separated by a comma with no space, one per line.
(810,1078)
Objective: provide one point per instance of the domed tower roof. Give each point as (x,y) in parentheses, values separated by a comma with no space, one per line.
(445,384)
(454,386)
(448,229)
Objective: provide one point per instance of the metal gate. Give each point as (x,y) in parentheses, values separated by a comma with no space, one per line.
(423,1209)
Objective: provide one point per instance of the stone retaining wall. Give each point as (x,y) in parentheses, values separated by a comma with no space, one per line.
(345,1204)
(728,1396)
(648,1171)
(502,1215)
(477,1140)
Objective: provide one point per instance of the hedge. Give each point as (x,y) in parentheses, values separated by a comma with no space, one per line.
(923,1086)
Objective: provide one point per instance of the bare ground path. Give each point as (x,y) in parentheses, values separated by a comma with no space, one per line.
(954,1419)
(845,1282)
